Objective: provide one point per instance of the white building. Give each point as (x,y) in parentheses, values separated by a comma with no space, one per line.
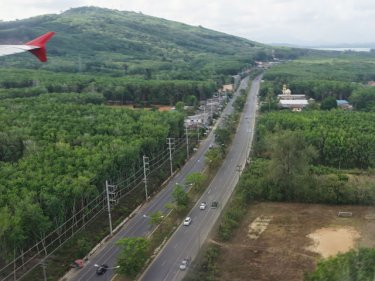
(293,102)
(197,120)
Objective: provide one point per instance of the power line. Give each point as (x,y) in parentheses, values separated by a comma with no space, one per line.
(56,238)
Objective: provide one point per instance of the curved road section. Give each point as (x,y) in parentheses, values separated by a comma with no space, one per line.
(187,240)
(138,225)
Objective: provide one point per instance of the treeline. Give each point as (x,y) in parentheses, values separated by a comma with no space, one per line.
(344,68)
(28,84)
(342,139)
(362,97)
(56,151)
(316,89)
(286,173)
(288,153)
(344,77)
(352,266)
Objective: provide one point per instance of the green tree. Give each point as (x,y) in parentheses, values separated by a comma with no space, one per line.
(196,179)
(191,100)
(290,158)
(214,157)
(134,253)
(328,103)
(157,219)
(222,137)
(364,99)
(180,197)
(180,106)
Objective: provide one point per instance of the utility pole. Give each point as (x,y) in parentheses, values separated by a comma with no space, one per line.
(187,142)
(146,168)
(111,200)
(198,134)
(211,111)
(14,263)
(170,143)
(43,263)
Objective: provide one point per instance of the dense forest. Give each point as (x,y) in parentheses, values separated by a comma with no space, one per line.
(56,151)
(60,140)
(28,83)
(341,154)
(342,76)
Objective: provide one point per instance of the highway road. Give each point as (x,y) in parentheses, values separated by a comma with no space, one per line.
(187,240)
(138,225)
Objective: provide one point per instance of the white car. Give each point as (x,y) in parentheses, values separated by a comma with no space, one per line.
(203,205)
(184,264)
(187,221)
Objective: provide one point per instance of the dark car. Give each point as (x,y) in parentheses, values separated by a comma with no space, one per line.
(214,204)
(101,269)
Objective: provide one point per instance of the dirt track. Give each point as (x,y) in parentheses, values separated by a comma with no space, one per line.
(280,252)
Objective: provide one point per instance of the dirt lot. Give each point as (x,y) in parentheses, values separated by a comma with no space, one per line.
(273,243)
(130,106)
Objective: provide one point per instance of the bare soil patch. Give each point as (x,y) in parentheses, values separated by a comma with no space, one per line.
(279,247)
(330,241)
(131,106)
(164,107)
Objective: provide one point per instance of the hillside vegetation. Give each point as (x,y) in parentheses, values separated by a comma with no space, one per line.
(93,39)
(59,141)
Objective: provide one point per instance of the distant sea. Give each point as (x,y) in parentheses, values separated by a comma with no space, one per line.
(345,49)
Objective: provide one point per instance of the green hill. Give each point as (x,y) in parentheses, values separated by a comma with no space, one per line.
(91,39)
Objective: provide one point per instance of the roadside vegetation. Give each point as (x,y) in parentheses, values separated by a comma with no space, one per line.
(315,156)
(354,265)
(184,197)
(64,128)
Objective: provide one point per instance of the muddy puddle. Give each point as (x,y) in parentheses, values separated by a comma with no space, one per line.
(330,241)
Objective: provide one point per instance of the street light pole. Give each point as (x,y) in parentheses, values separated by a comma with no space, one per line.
(170,153)
(239,170)
(109,207)
(145,170)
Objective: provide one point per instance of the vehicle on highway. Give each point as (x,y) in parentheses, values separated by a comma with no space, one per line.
(214,204)
(210,146)
(187,221)
(101,269)
(203,205)
(184,264)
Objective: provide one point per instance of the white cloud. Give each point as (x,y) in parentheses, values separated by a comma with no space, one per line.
(292,21)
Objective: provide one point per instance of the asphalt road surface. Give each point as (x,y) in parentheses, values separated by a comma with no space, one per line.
(187,240)
(139,226)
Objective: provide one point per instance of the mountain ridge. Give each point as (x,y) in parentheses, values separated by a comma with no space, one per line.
(123,43)
(104,36)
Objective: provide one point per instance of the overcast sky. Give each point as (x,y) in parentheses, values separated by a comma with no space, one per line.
(266,21)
